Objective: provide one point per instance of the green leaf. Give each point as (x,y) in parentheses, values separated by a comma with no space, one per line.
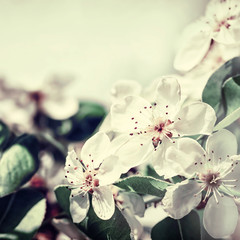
(62,195)
(116,228)
(186,228)
(231,97)
(231,91)
(228,120)
(4,135)
(22,213)
(144,185)
(85,122)
(18,164)
(212,93)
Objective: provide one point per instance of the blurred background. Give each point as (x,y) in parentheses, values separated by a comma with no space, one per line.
(95,42)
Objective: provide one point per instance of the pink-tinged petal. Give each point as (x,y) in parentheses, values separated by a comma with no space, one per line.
(109,171)
(221,145)
(79,205)
(103,202)
(196,118)
(95,149)
(124,88)
(60,108)
(194,46)
(73,168)
(220,220)
(186,157)
(167,94)
(131,115)
(133,152)
(180,198)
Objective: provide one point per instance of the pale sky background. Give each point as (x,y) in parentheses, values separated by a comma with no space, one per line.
(96,41)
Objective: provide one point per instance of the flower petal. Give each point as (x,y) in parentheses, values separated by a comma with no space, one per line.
(60,108)
(79,205)
(179,199)
(195,118)
(220,220)
(221,144)
(95,149)
(134,202)
(109,171)
(186,156)
(194,46)
(73,168)
(167,93)
(134,224)
(134,113)
(133,151)
(124,88)
(103,202)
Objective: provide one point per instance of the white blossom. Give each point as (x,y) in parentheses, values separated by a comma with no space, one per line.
(221,24)
(91,173)
(150,128)
(216,173)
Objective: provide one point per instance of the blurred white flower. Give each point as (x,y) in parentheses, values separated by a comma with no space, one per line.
(217,172)
(91,173)
(150,128)
(131,204)
(220,24)
(51,99)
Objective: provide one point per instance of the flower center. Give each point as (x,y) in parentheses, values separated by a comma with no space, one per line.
(36,96)
(211,179)
(161,130)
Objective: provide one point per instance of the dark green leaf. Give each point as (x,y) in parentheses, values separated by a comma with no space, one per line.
(231,98)
(187,228)
(144,185)
(116,228)
(18,164)
(4,135)
(212,93)
(62,195)
(22,213)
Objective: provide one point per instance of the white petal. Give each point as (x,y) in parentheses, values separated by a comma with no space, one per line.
(195,44)
(196,118)
(79,206)
(73,168)
(60,108)
(186,156)
(135,225)
(167,93)
(96,149)
(133,114)
(221,144)
(109,171)
(124,88)
(163,166)
(220,220)
(179,199)
(135,151)
(134,202)
(103,202)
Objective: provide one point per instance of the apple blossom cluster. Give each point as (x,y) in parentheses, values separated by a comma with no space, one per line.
(161,127)
(155,130)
